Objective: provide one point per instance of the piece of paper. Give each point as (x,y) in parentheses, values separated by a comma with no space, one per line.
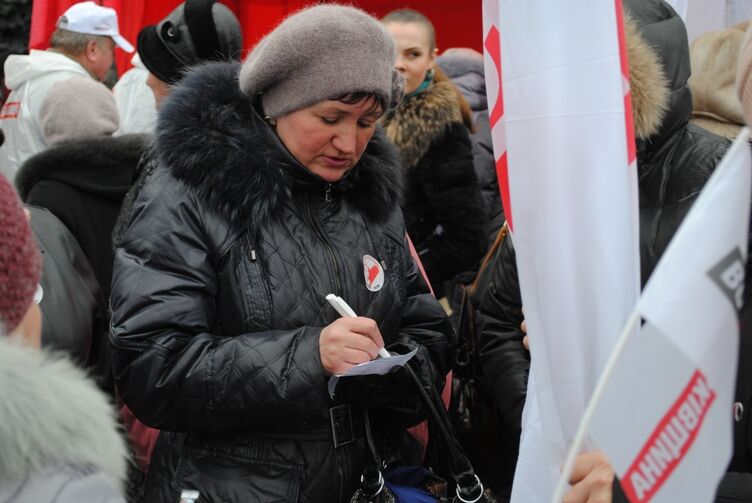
(379,366)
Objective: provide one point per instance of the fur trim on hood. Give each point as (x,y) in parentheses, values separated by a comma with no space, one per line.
(659,70)
(465,68)
(210,136)
(53,415)
(105,166)
(420,120)
(647,82)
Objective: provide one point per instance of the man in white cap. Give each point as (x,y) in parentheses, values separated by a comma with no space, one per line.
(83,43)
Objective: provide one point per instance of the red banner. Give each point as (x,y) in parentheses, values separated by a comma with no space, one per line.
(458,24)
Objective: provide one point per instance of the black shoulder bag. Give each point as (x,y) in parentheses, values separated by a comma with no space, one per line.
(445,455)
(469,411)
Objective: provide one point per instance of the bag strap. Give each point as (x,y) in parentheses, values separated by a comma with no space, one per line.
(500,236)
(372,480)
(469,488)
(466,350)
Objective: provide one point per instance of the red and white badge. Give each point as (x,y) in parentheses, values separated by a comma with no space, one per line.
(373,273)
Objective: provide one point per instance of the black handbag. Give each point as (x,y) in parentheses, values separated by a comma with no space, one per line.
(469,410)
(445,460)
(489,444)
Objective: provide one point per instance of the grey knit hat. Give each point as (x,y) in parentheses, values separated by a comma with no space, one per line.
(78,107)
(320,53)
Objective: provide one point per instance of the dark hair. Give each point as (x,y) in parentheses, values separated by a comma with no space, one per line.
(412,16)
(359,96)
(465,110)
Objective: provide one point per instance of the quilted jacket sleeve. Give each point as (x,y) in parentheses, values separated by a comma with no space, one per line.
(505,361)
(171,370)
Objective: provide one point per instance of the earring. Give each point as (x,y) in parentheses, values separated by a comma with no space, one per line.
(429,74)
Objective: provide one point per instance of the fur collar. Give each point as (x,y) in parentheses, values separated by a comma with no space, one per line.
(422,119)
(53,415)
(210,136)
(106,164)
(647,82)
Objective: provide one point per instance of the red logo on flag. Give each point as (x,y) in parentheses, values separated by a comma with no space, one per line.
(669,442)
(373,272)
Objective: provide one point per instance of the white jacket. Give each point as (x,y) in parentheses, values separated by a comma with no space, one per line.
(135,101)
(29,78)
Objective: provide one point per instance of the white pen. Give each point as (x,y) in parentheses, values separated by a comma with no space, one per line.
(346,311)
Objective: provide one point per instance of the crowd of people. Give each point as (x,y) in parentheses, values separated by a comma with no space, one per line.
(167,247)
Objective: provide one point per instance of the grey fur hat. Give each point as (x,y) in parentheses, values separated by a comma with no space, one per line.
(320,53)
(76,108)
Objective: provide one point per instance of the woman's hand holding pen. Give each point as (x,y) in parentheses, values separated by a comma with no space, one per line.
(347,342)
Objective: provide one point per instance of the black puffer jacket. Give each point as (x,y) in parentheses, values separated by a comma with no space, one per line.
(444,209)
(74,312)
(674,159)
(218,300)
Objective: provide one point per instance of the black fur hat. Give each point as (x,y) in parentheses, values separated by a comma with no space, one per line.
(184,38)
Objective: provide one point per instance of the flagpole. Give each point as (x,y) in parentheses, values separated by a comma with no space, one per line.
(594,399)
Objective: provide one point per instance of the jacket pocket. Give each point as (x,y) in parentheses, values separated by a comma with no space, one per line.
(255,291)
(224,477)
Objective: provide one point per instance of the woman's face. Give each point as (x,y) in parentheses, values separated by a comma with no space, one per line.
(414,54)
(329,137)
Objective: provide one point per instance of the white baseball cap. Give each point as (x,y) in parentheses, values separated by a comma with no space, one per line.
(93,19)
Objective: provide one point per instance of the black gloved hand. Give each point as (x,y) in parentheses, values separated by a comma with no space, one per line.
(391,397)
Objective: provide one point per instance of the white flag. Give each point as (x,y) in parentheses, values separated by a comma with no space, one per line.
(665,419)
(564,146)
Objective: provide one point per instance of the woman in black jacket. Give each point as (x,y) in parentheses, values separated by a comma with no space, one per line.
(272,189)
(674,160)
(445,211)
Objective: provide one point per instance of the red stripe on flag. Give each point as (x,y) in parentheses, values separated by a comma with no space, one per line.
(493,46)
(624,60)
(502,173)
(670,441)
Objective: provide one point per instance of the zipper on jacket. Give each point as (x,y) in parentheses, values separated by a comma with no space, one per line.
(255,289)
(338,288)
(328,192)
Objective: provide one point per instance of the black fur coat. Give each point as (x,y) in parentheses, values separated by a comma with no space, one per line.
(83,183)
(445,212)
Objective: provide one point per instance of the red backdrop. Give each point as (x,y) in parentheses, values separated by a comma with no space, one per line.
(458,22)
